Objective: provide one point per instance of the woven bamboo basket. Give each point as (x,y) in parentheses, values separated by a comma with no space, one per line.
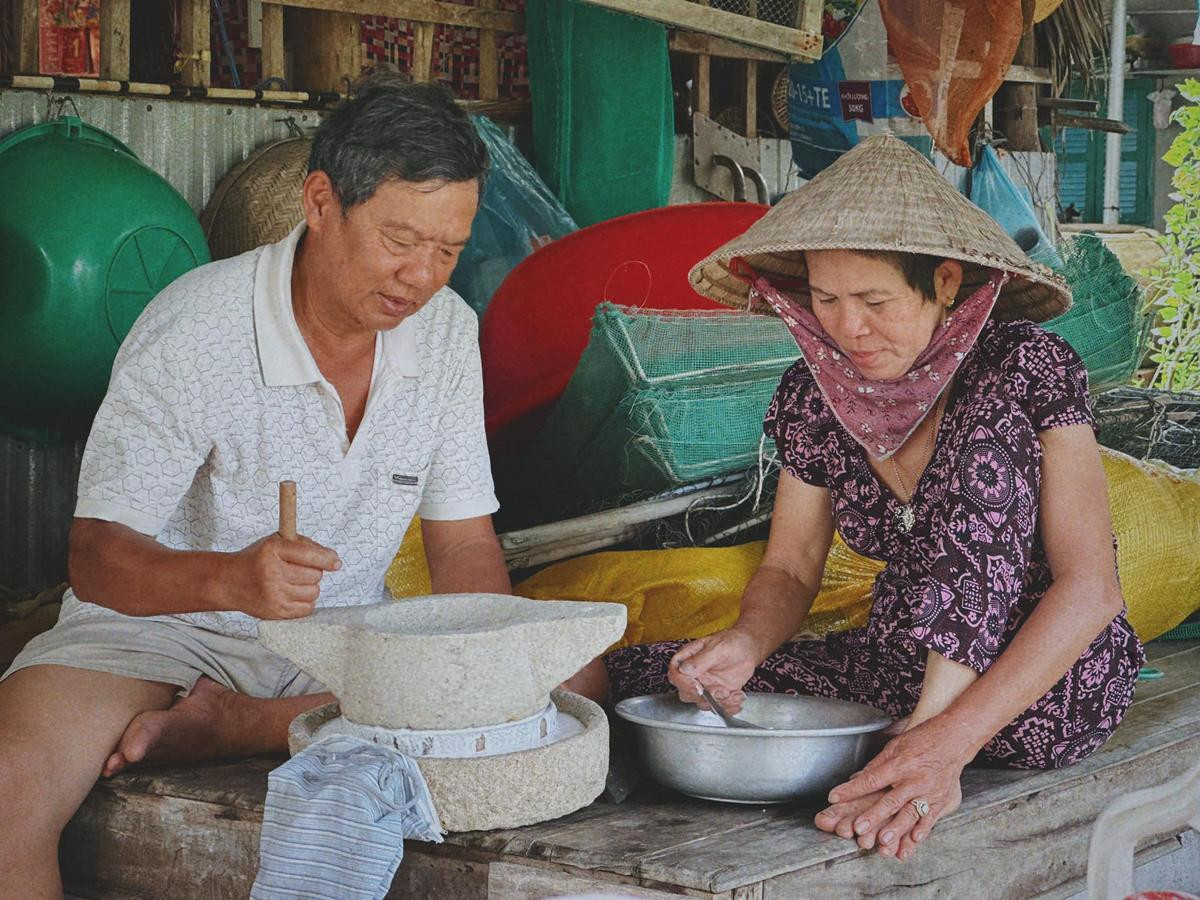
(258,201)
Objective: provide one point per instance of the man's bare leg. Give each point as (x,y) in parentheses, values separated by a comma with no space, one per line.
(57,726)
(212,722)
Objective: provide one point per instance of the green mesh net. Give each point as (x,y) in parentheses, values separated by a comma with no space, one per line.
(1105,324)
(1188,630)
(602,152)
(660,398)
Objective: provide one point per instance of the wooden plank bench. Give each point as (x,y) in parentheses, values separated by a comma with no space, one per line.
(184,833)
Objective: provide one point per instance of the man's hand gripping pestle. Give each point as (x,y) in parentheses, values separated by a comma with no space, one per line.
(281,574)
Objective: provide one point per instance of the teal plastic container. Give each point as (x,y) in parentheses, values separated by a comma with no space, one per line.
(88,235)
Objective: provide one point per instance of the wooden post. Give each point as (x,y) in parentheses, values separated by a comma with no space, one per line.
(1015,110)
(809,15)
(114,40)
(752,84)
(422,58)
(274,64)
(489,58)
(27,37)
(195,42)
(701,87)
(751,99)
(326,48)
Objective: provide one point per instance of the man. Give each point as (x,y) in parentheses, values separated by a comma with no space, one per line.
(336,358)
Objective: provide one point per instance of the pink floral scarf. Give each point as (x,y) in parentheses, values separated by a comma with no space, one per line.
(881,415)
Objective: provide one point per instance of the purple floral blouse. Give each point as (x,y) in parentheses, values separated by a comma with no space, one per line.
(973,566)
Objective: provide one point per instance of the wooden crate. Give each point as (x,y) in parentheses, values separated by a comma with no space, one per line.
(802,40)
(757,42)
(323,40)
(703,47)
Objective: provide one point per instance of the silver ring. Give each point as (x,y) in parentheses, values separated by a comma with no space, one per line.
(921,807)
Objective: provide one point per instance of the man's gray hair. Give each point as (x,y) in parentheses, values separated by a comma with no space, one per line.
(392,129)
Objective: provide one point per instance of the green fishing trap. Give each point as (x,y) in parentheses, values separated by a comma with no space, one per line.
(660,398)
(1105,324)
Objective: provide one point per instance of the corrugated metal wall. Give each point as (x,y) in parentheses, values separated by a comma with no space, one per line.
(192,145)
(37,487)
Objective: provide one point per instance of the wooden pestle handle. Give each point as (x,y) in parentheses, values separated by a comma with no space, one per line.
(287,510)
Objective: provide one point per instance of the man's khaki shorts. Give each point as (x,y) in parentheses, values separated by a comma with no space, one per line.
(164,650)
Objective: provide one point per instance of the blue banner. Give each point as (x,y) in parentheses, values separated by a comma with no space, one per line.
(824,106)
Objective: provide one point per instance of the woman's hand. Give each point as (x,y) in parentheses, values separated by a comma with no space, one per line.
(723,662)
(875,807)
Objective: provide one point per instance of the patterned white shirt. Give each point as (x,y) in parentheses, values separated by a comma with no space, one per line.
(215,398)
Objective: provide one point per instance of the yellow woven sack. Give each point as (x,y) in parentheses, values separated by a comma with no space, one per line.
(691,592)
(408,575)
(1156,516)
(669,594)
(694,591)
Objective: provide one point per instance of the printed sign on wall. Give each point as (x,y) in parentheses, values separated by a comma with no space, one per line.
(69,37)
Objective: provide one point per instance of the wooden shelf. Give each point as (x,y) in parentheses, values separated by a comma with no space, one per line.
(1163,73)
(694,42)
(322,37)
(804,41)
(194,58)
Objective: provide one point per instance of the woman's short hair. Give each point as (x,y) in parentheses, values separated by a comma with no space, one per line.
(917,268)
(395,129)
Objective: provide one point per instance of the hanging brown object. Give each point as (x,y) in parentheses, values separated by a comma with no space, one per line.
(1028,15)
(258,200)
(1043,8)
(953,54)
(779,101)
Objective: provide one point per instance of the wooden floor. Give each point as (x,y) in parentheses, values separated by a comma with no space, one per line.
(194,832)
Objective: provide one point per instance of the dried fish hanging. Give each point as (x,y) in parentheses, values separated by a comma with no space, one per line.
(954,55)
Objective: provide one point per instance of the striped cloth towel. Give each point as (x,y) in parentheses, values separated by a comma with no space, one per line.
(335,821)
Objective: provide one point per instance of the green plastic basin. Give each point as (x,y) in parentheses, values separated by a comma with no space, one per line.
(88,235)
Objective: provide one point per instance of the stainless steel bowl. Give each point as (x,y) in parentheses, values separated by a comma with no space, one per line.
(813,744)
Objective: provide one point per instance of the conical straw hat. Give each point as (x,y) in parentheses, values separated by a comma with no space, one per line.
(881,195)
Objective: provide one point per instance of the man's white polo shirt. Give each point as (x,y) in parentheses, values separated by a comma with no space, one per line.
(215,399)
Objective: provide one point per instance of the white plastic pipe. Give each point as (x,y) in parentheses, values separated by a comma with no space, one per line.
(1164,809)
(1116,110)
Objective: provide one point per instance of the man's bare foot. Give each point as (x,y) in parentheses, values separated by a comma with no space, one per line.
(209,723)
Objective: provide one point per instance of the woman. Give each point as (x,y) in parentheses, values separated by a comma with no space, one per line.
(941,432)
